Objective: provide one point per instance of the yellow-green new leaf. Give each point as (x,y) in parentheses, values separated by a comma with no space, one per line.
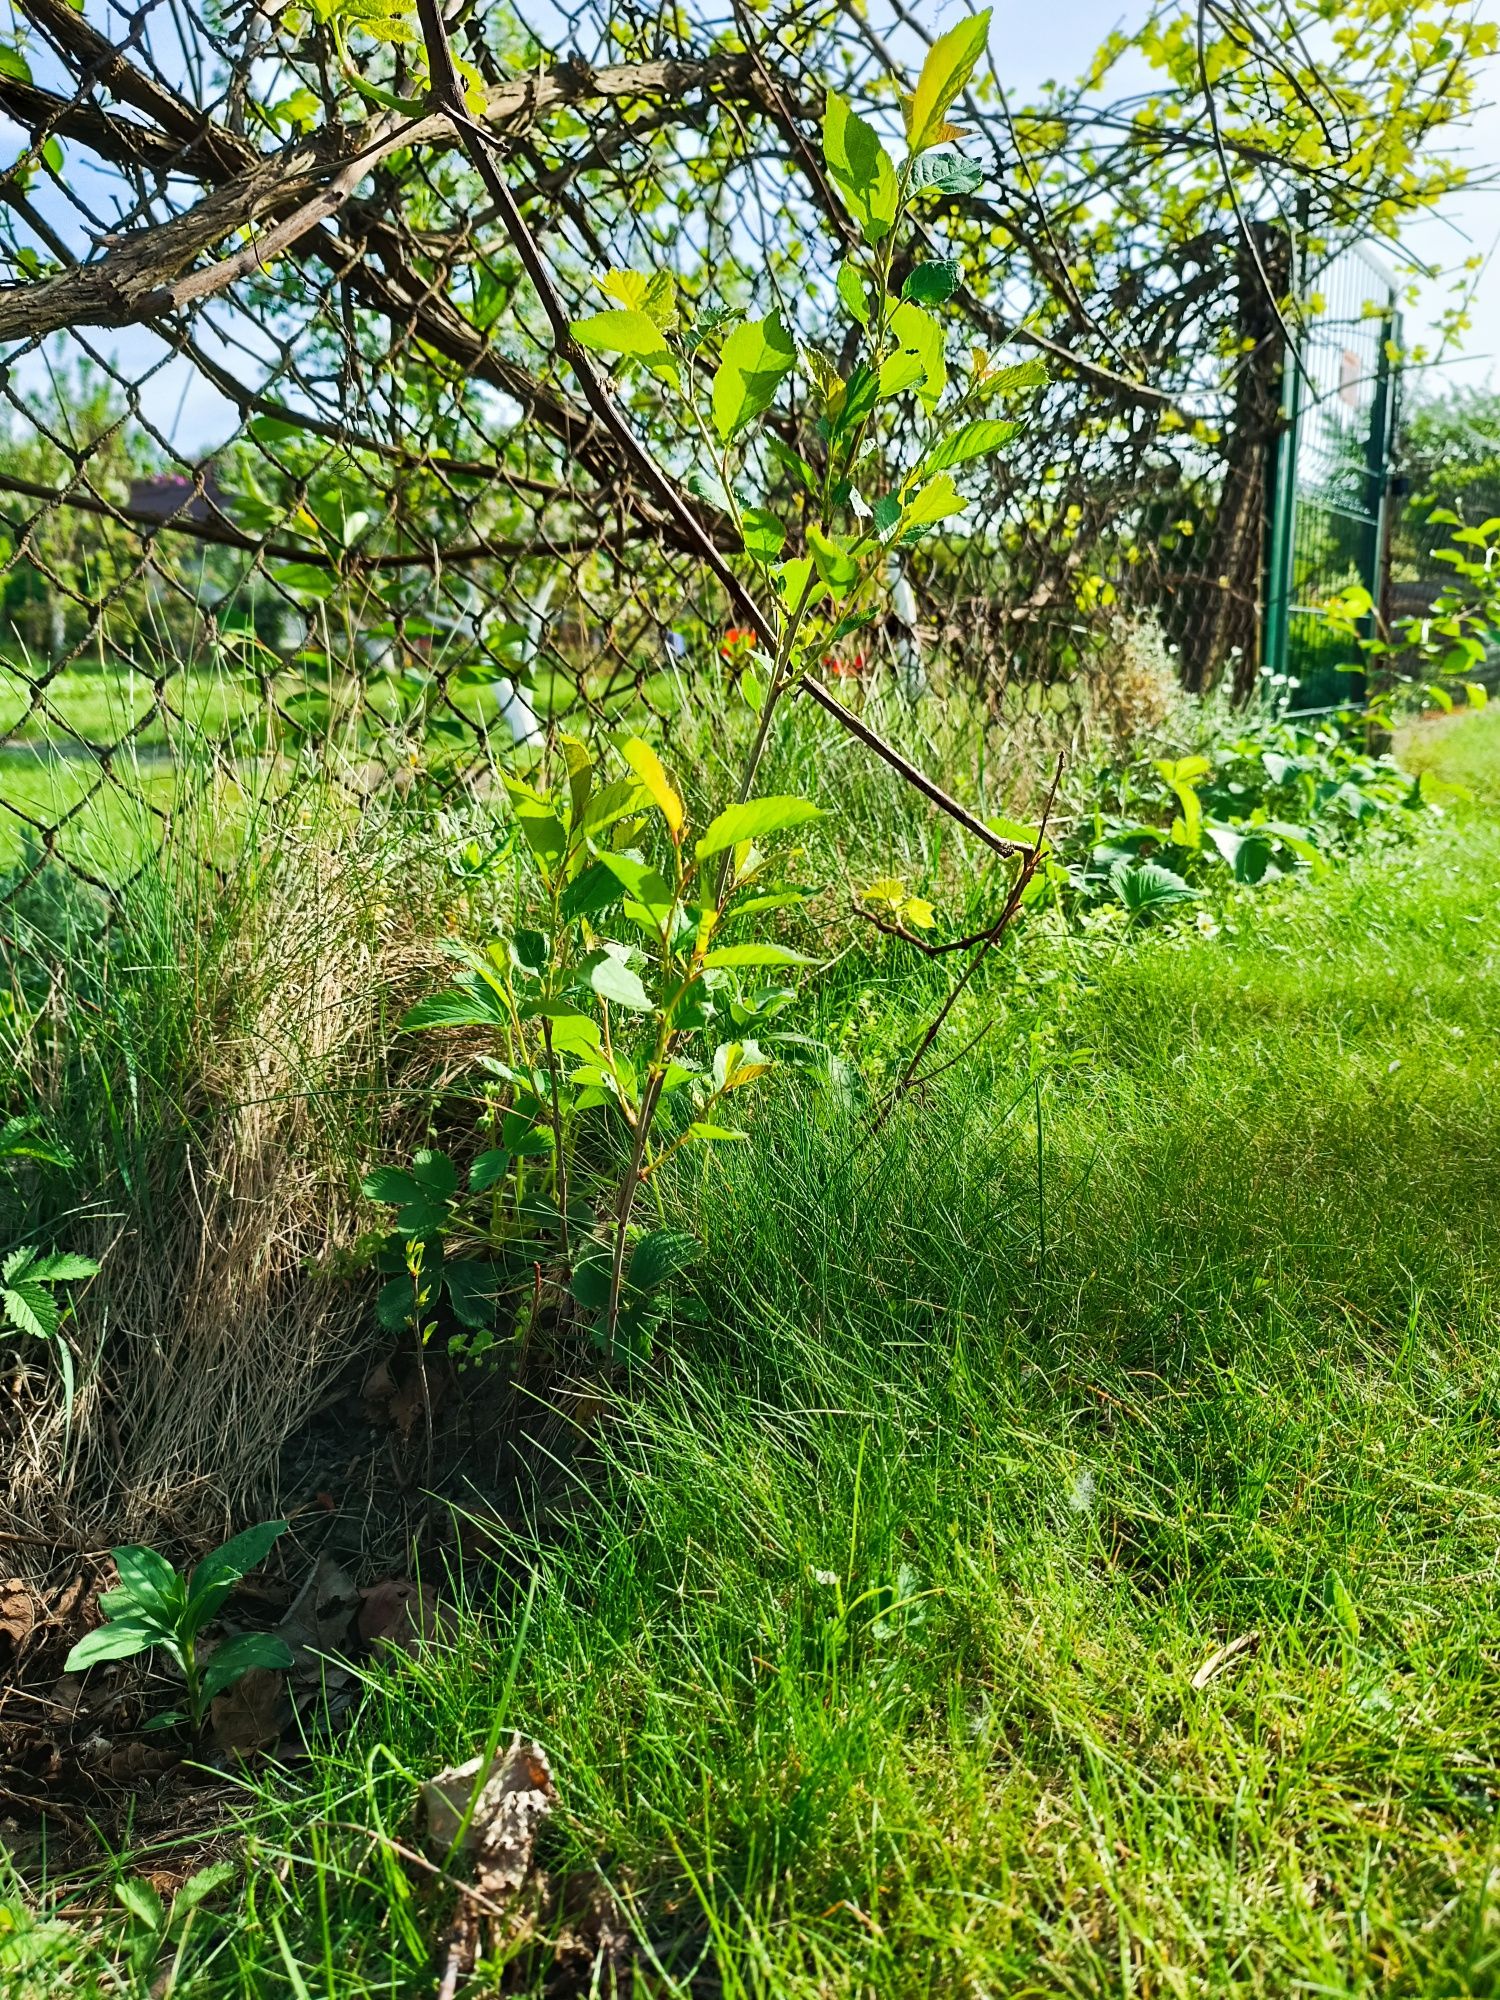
(753,820)
(851,287)
(833,561)
(971,440)
(949,65)
(648,767)
(654,294)
(632,334)
(755,954)
(936,500)
(919,334)
(860,169)
(757,358)
(764,536)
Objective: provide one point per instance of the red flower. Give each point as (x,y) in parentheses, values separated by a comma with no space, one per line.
(844,669)
(738,639)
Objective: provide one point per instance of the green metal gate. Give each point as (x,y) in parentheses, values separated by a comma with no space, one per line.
(1329,500)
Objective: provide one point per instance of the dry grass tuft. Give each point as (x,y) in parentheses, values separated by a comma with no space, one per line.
(220,1318)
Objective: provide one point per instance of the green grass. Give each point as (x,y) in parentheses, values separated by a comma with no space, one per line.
(866,1650)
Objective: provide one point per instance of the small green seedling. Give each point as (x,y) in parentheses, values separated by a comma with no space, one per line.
(154,1606)
(153,1929)
(28,1304)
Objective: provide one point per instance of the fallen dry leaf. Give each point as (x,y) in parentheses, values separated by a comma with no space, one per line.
(18,1617)
(398,1612)
(498,1834)
(1215,1664)
(322,1615)
(252,1714)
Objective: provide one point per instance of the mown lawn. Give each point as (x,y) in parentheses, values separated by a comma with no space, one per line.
(1056,1552)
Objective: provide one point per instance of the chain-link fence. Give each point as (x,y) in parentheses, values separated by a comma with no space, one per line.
(291,466)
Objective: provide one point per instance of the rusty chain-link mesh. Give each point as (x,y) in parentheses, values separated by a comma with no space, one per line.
(291,468)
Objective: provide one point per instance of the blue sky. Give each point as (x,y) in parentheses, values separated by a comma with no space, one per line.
(1030,41)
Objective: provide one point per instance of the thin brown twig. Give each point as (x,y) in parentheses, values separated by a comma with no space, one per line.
(909,1078)
(448,95)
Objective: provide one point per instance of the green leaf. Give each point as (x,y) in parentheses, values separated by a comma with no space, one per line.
(489,1167)
(235,1658)
(753,821)
(792,579)
(971,440)
(943,173)
(476,1005)
(853,288)
(757,358)
(589,894)
(139,1900)
(929,284)
(31,1308)
(713,1134)
(920,334)
(900,372)
(653,293)
(658,1256)
(837,568)
(1149,887)
(648,767)
(61,1267)
(1343,1608)
(1021,378)
(633,334)
(120,1639)
(934,502)
(860,169)
(755,954)
(764,535)
(148,1580)
(198,1887)
(949,65)
(217,1574)
(571,1033)
(472,1287)
(612,979)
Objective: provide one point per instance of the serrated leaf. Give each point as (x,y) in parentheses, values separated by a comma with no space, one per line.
(933,502)
(31,1308)
(140,1901)
(474,1006)
(835,565)
(632,334)
(943,173)
(920,334)
(852,287)
(1148,887)
(488,1168)
(931,283)
(756,359)
(754,820)
(764,536)
(971,440)
(655,294)
(658,1256)
(61,1267)
(950,63)
(860,169)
